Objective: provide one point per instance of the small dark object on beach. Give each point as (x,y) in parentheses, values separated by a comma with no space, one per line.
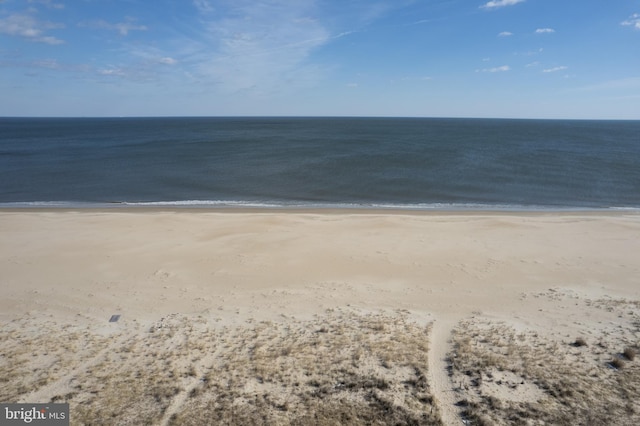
(579,342)
(629,353)
(616,363)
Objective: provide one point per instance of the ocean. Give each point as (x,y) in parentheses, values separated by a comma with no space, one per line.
(410,163)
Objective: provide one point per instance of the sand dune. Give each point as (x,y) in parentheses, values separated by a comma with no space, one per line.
(355,317)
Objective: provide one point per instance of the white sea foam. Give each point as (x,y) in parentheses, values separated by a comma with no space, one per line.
(240,204)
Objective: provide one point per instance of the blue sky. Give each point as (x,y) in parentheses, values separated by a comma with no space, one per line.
(435,58)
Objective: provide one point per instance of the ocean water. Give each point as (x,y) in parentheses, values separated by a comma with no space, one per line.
(417,163)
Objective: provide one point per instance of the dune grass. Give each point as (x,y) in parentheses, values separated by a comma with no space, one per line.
(344,367)
(504,377)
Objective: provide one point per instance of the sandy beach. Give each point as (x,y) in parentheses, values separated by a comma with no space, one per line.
(322,317)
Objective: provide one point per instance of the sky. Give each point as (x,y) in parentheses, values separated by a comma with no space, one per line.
(411,58)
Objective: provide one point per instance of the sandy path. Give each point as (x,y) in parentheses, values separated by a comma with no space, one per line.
(441,385)
(179,400)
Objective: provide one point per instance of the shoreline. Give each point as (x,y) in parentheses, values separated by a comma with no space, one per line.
(515,211)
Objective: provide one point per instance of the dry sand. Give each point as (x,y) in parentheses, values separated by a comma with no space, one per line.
(349,317)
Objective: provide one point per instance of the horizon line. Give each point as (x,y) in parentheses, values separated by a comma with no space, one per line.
(258,116)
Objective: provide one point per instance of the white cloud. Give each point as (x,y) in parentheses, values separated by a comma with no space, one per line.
(262,46)
(533,64)
(505,34)
(545,31)
(373,10)
(420,22)
(167,61)
(49,40)
(633,21)
(139,63)
(51,64)
(123,28)
(131,72)
(500,3)
(48,3)
(118,72)
(28,27)
(530,52)
(352,85)
(203,6)
(555,69)
(503,68)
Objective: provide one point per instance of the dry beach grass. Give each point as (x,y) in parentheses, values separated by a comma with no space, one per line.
(506,376)
(343,367)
